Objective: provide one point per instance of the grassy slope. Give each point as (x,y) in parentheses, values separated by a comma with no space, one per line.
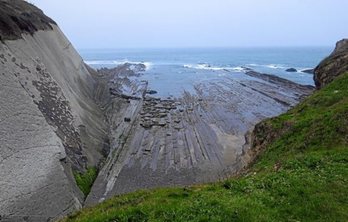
(302,176)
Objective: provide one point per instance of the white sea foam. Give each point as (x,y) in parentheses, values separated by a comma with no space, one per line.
(204,66)
(99,62)
(239,69)
(275,66)
(148,65)
(270,66)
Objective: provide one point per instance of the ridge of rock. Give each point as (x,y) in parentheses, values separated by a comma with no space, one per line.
(51,125)
(333,66)
(18,17)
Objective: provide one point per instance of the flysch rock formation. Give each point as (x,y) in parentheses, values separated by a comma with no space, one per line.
(57,115)
(49,122)
(333,66)
(200,137)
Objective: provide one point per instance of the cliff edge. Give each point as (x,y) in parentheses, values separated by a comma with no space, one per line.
(333,66)
(50,125)
(18,17)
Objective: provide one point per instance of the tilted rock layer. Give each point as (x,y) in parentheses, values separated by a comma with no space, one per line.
(333,66)
(49,122)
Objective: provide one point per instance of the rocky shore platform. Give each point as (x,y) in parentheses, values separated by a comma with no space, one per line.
(197,138)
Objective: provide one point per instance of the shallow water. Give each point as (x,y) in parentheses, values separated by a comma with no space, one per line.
(170,71)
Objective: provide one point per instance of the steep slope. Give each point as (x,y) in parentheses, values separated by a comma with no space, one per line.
(334,65)
(50,125)
(301,174)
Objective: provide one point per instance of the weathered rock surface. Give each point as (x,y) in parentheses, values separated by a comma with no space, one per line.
(50,124)
(58,115)
(197,138)
(333,66)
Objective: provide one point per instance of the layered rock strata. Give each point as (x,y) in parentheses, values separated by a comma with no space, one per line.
(199,137)
(50,125)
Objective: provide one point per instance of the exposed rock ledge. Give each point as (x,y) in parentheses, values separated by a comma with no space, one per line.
(333,66)
(49,122)
(197,138)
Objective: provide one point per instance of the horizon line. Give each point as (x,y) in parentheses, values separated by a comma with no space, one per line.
(205,47)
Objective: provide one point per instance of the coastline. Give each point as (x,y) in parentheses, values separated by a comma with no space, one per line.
(196,138)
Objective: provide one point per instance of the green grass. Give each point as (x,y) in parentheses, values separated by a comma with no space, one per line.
(85,181)
(302,175)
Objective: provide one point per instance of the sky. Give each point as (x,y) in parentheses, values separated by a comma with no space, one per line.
(199,23)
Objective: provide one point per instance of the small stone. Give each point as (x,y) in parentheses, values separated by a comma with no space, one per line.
(161,115)
(149,115)
(177,121)
(160,106)
(177,127)
(162,122)
(147,124)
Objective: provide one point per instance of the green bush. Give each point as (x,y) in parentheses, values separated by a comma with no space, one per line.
(85,181)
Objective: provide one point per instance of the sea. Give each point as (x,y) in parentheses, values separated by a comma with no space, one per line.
(171,71)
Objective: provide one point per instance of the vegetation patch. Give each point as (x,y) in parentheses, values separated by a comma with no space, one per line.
(85,180)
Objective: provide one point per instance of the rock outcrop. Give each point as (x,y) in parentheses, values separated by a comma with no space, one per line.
(196,138)
(330,68)
(50,124)
(291,70)
(58,116)
(309,71)
(333,66)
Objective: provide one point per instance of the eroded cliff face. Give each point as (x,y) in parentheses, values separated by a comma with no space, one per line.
(49,122)
(333,66)
(265,133)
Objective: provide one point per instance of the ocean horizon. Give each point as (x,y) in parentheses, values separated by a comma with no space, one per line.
(170,71)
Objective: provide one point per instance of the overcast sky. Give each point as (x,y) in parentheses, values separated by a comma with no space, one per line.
(199,23)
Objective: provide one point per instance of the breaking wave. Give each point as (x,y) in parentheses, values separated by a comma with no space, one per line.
(206,66)
(148,65)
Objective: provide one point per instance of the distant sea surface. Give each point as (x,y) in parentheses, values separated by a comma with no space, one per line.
(170,71)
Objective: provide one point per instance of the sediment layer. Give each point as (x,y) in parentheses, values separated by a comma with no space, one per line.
(199,137)
(50,126)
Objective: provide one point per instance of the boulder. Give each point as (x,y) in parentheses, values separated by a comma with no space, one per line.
(291,70)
